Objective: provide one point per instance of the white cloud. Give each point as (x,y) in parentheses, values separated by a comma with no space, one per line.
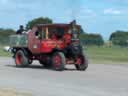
(84,12)
(88,12)
(79,13)
(112,11)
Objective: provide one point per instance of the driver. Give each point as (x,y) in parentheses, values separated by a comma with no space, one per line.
(53,35)
(67,37)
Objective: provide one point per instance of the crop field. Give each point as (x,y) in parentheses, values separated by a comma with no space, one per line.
(98,55)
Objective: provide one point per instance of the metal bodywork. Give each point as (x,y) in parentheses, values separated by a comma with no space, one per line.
(39,44)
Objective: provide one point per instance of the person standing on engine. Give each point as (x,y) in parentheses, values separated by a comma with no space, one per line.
(20,30)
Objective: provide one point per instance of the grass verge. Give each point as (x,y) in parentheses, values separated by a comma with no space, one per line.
(3,52)
(109,55)
(102,55)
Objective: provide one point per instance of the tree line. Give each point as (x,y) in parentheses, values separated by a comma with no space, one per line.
(91,39)
(4,35)
(119,38)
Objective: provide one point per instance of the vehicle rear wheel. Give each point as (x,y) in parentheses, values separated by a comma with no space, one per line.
(58,61)
(81,63)
(20,59)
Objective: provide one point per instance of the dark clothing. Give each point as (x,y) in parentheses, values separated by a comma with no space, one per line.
(19,31)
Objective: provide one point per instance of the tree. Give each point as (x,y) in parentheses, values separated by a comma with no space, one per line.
(119,38)
(4,35)
(40,20)
(82,31)
(92,39)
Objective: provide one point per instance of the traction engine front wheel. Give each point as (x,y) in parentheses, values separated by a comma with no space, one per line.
(81,63)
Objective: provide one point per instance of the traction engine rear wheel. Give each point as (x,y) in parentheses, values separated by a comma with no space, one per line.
(20,59)
(58,61)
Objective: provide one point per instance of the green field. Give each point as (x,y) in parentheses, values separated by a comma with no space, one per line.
(3,53)
(106,55)
(100,55)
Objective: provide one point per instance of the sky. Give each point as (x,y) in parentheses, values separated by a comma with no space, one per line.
(95,16)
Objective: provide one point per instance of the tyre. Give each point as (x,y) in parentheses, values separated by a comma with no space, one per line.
(58,61)
(81,63)
(20,59)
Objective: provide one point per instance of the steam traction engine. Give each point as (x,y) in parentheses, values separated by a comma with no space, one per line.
(53,45)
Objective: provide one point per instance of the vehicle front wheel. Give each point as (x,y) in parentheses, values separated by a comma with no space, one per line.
(81,63)
(20,59)
(58,61)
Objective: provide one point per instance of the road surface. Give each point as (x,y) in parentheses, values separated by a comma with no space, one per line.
(97,80)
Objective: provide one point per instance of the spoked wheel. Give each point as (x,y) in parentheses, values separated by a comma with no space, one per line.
(81,63)
(58,61)
(20,59)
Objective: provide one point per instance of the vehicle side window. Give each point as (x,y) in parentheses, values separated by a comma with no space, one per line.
(37,33)
(60,32)
(52,31)
(43,33)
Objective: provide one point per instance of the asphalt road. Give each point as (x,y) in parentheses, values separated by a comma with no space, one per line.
(97,80)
